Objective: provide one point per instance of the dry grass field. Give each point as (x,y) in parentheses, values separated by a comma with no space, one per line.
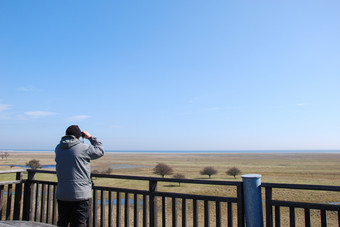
(292,168)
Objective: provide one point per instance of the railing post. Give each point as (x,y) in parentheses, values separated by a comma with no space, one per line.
(18,195)
(28,197)
(153,203)
(269,209)
(253,200)
(240,207)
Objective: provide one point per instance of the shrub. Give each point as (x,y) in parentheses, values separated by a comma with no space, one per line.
(162,169)
(179,176)
(234,171)
(33,164)
(208,171)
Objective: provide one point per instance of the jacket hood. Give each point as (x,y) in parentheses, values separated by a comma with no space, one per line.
(68,141)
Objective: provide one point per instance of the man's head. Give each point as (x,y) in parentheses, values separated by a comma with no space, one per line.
(73,130)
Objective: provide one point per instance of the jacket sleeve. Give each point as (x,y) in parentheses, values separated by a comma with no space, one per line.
(96,150)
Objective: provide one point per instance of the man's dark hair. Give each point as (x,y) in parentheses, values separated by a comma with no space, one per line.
(73,130)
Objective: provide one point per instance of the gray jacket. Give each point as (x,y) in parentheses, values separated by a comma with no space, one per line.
(73,167)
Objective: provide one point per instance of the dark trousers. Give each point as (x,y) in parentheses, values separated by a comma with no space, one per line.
(74,213)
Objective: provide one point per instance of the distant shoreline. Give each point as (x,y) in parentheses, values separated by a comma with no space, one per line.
(186,151)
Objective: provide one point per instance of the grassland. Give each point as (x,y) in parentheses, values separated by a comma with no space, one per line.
(292,168)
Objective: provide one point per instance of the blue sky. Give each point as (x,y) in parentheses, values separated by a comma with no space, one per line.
(171,75)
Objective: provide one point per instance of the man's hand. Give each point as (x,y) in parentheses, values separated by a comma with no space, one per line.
(86,135)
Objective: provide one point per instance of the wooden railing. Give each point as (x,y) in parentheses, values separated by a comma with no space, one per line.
(34,200)
(277,205)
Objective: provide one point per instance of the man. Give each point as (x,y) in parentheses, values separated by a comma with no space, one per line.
(74,189)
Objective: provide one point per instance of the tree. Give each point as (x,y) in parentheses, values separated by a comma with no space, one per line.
(162,169)
(179,176)
(208,171)
(233,171)
(6,155)
(33,164)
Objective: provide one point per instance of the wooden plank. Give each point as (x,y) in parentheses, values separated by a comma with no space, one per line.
(48,204)
(195,212)
(1,200)
(269,209)
(302,186)
(174,212)
(323,218)
(110,210)
(307,218)
(12,171)
(230,214)
(184,212)
(164,211)
(9,201)
(145,211)
(206,214)
(10,182)
(240,206)
(153,203)
(277,216)
(36,208)
(31,177)
(315,206)
(102,208)
(54,205)
(218,214)
(127,210)
(118,210)
(135,211)
(43,203)
(95,208)
(292,216)
(17,201)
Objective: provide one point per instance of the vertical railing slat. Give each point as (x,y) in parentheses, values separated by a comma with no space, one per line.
(174,212)
(127,210)
(307,218)
(135,211)
(269,209)
(218,214)
(118,209)
(2,187)
(240,206)
(195,212)
(110,210)
(95,208)
(152,203)
(54,205)
(184,212)
(206,213)
(323,218)
(36,208)
(164,211)
(9,201)
(230,214)
(43,203)
(18,197)
(48,204)
(277,216)
(102,208)
(145,211)
(292,216)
